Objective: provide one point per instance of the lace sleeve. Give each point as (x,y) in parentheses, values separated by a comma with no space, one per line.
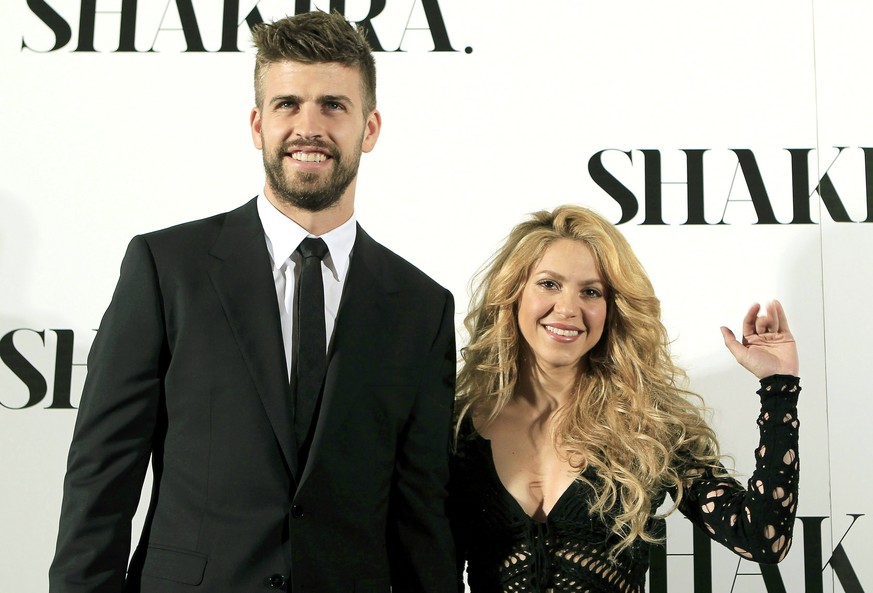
(756,522)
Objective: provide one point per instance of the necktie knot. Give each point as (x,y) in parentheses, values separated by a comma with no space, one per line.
(312,247)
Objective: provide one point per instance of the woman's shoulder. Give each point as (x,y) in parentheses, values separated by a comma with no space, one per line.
(467,429)
(469,444)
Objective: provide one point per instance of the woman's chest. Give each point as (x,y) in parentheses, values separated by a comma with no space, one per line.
(531,468)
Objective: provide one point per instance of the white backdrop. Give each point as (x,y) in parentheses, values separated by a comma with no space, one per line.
(98,146)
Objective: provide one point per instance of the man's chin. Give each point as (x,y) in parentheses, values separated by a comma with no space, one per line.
(312,181)
(302,174)
(309,201)
(306,182)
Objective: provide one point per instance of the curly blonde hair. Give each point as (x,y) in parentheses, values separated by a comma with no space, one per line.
(630,419)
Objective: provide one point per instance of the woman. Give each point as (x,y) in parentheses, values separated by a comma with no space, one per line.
(573,425)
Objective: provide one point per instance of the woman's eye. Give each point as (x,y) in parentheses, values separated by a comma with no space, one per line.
(592,293)
(550,284)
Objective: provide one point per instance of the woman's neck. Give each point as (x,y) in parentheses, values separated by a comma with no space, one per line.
(546,390)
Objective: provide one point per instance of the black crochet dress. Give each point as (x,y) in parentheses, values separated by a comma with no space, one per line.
(508,552)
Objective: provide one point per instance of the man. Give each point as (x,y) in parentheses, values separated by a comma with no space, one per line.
(201,363)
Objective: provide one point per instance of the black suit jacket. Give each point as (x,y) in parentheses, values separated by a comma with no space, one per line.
(188,368)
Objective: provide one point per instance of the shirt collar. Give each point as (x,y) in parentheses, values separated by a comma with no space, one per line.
(284,235)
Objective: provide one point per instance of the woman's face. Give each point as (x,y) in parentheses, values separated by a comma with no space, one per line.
(562,308)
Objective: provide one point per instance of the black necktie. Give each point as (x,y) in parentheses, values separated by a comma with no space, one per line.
(311,361)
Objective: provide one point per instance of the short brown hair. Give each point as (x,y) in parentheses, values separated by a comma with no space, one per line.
(315,38)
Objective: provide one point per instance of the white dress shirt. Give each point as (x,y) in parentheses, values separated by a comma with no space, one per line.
(283,236)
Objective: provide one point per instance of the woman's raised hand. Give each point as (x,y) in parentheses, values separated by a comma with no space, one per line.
(767,347)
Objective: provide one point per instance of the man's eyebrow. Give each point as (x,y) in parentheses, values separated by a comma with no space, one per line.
(321,99)
(284,98)
(335,99)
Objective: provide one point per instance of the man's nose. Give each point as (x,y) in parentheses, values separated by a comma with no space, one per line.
(309,122)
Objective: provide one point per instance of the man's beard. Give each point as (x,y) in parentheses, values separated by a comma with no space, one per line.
(303,190)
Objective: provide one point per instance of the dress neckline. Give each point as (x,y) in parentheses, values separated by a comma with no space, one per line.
(513,502)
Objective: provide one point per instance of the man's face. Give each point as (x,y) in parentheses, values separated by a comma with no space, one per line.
(312,130)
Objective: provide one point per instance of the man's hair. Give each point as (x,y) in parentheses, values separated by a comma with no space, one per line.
(315,38)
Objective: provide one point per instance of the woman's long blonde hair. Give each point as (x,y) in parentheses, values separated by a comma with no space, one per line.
(631,421)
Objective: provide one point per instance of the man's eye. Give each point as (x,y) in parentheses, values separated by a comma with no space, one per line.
(333,106)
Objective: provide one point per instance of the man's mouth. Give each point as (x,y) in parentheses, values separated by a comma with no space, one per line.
(309,157)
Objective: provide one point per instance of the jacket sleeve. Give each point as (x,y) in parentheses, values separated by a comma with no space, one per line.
(114,434)
(424,560)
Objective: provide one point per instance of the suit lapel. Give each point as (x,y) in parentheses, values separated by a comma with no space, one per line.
(369,295)
(242,277)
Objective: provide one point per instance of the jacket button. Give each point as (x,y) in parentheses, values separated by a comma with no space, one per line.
(296,511)
(276,581)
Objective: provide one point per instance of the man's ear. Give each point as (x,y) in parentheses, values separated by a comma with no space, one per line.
(255,124)
(371,131)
